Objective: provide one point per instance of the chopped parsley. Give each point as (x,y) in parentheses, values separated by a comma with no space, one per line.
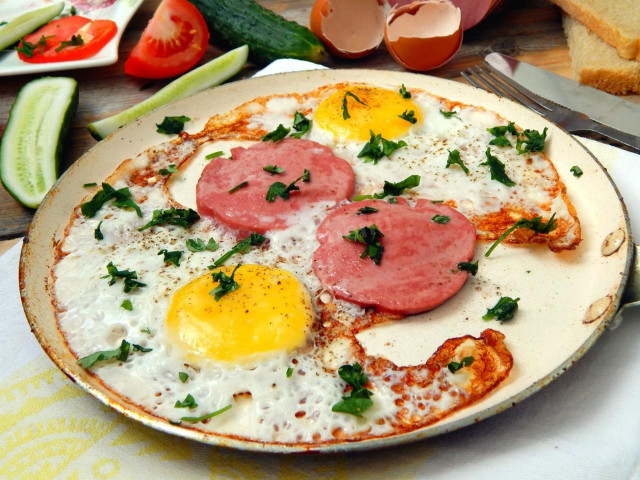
(243,246)
(279,189)
(366,210)
(472,268)
(535,224)
(393,200)
(500,130)
(169,170)
(455,366)
(404,92)
(146,330)
(276,135)
(345,110)
(289,372)
(532,140)
(576,170)
(172,216)
(446,114)
(273,169)
(378,147)
(198,245)
(207,416)
(219,153)
(171,257)
(28,49)
(72,10)
(239,186)
(97,233)
(454,159)
(172,125)
(74,41)
(121,353)
(500,141)
(301,125)
(188,402)
(129,277)
(504,310)
(359,399)
(3,23)
(89,185)
(121,199)
(440,219)
(183,376)
(127,305)
(409,116)
(392,189)
(370,237)
(496,167)
(226,284)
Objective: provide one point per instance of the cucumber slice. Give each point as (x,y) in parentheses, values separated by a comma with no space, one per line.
(30,150)
(208,75)
(27,23)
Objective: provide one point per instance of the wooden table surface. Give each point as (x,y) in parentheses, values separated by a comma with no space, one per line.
(529,30)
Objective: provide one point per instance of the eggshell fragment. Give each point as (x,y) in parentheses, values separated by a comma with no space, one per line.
(473,11)
(349,28)
(424,34)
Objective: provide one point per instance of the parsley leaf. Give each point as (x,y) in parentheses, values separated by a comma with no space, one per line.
(183,376)
(370,237)
(129,277)
(404,92)
(497,169)
(219,153)
(359,399)
(198,245)
(239,186)
(97,234)
(172,124)
(455,366)
(378,147)
(207,416)
(279,189)
(301,124)
(448,114)
(29,49)
(535,224)
(393,200)
(289,372)
(138,348)
(500,141)
(454,159)
(188,402)
(273,169)
(121,353)
(366,210)
(89,185)
(121,199)
(472,268)
(3,23)
(533,141)
(146,330)
(243,246)
(576,170)
(74,41)
(396,189)
(408,116)
(500,130)
(173,216)
(171,257)
(226,284)
(127,305)
(504,310)
(169,170)
(276,135)
(440,219)
(345,110)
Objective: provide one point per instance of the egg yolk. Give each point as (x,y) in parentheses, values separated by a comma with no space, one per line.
(379,112)
(269,311)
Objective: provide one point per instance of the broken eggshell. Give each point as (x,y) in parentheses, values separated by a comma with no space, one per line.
(473,11)
(423,35)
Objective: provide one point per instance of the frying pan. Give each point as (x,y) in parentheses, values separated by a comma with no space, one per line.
(567,299)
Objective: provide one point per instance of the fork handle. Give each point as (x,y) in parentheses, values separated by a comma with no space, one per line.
(609,132)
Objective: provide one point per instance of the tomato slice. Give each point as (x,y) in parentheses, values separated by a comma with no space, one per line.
(94,34)
(174,41)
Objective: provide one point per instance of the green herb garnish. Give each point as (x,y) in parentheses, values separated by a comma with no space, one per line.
(359,399)
(169,170)
(454,159)
(121,199)
(289,372)
(172,216)
(243,246)
(72,10)
(198,245)
(121,353)
(345,110)
(129,277)
(239,186)
(472,268)
(404,92)
(408,116)
(127,305)
(273,169)
(366,210)
(533,141)
(188,402)
(146,330)
(500,141)
(370,238)
(29,49)
(301,124)
(504,310)
(496,167)
(378,147)
(2,23)
(74,41)
(172,125)
(440,219)
(226,284)
(276,135)
(446,114)
(576,170)
(171,257)
(183,376)
(279,189)
(205,417)
(219,153)
(500,130)
(393,200)
(455,366)
(535,224)
(89,185)
(97,234)
(393,189)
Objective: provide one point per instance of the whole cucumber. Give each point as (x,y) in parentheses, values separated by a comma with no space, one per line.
(269,36)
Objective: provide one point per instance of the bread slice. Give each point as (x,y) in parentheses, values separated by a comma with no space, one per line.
(617,22)
(597,63)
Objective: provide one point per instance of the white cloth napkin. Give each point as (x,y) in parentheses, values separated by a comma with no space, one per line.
(585,425)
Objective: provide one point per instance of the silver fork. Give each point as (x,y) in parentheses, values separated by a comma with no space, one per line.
(488,78)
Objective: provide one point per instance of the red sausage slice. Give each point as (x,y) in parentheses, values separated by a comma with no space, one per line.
(246,209)
(418,270)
